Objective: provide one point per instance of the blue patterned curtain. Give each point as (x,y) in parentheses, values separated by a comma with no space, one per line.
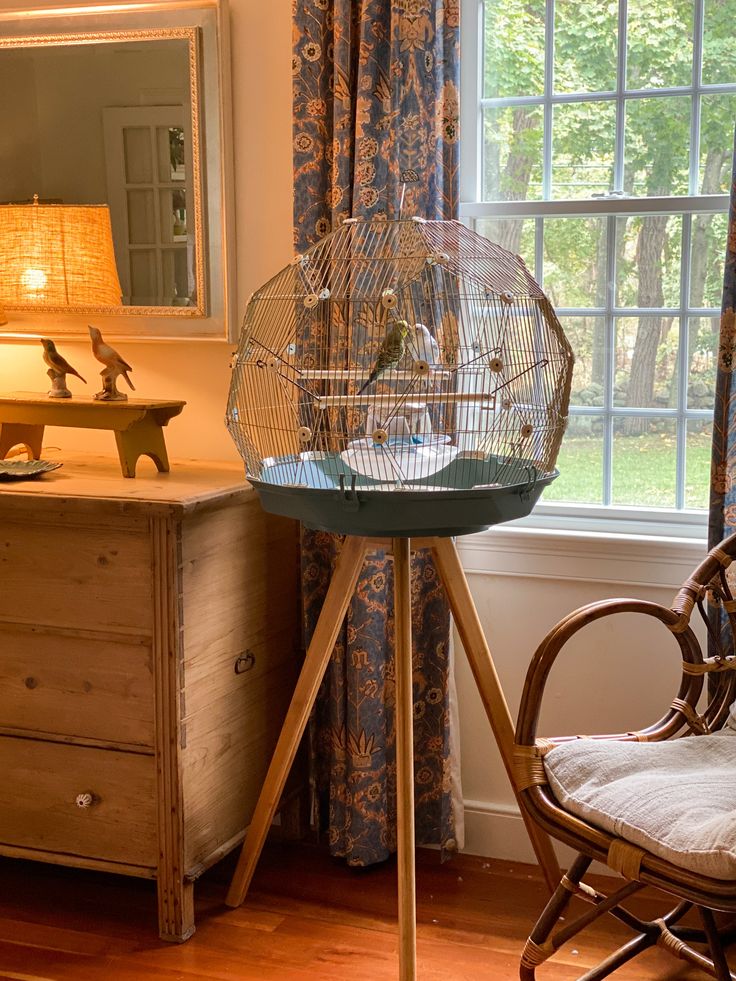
(376,94)
(723,468)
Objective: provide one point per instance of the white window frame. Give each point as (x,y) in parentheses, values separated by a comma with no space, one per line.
(675,522)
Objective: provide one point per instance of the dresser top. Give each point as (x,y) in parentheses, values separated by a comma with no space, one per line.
(189,485)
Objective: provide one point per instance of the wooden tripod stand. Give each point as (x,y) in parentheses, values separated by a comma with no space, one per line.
(339,594)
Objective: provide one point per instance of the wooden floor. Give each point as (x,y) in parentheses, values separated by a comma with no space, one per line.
(307,917)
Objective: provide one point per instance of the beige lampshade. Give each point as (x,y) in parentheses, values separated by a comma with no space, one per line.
(3,318)
(57,255)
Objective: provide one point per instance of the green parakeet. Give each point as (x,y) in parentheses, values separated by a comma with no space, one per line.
(390,353)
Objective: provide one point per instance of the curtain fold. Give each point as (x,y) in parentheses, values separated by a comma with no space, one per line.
(722,517)
(376,95)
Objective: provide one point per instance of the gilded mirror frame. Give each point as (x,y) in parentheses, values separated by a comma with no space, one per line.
(203,24)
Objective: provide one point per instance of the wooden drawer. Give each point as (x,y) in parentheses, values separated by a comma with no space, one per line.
(241,725)
(67,574)
(38,791)
(75,686)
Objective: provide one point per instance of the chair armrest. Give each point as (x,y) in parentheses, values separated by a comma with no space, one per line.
(682,709)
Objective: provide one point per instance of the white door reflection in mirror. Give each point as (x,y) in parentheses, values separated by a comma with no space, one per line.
(150,200)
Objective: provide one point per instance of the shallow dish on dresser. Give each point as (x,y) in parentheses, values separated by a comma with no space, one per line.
(23,469)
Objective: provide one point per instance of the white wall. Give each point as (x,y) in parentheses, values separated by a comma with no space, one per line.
(198,371)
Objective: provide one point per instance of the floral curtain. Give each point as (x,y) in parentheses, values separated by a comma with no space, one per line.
(375,96)
(723,468)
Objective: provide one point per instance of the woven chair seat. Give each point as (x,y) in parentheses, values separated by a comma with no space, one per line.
(675,799)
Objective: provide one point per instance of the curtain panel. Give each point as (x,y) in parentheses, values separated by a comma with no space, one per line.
(722,519)
(376,95)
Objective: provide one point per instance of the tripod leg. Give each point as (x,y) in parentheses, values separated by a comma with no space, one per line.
(404,760)
(489,687)
(342,586)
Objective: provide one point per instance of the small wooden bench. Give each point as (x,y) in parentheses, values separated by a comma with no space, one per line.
(137,424)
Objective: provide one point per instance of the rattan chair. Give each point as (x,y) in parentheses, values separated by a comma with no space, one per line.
(550,776)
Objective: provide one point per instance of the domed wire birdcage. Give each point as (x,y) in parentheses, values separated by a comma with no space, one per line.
(403,377)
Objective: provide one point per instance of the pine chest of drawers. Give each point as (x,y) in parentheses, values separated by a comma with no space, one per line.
(149,633)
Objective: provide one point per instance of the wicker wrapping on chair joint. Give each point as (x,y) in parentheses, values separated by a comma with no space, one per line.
(711,664)
(529,764)
(681,625)
(697,722)
(691,592)
(625,858)
(720,556)
(581,889)
(536,954)
(668,941)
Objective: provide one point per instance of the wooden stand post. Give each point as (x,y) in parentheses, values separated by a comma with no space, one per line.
(404,761)
(318,655)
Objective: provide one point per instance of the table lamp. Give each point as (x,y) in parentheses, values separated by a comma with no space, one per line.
(57,256)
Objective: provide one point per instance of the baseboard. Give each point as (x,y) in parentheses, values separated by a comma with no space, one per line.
(496,830)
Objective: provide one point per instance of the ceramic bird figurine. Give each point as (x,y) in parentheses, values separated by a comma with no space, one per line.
(114,366)
(421,346)
(390,352)
(59,368)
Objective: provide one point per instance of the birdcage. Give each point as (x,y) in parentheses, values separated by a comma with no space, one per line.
(401,377)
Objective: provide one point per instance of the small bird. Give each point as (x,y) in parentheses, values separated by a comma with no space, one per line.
(421,346)
(390,352)
(109,356)
(56,362)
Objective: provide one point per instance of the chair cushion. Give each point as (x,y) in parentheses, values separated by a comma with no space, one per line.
(676,799)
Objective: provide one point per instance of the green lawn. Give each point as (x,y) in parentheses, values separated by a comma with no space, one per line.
(643,470)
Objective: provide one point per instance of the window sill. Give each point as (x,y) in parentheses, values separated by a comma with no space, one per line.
(525,550)
(617,522)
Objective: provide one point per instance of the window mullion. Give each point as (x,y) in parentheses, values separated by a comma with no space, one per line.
(566,98)
(594,207)
(683,362)
(609,359)
(549,67)
(472,113)
(696,98)
(539,249)
(618,160)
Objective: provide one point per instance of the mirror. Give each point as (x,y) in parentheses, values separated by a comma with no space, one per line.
(108,108)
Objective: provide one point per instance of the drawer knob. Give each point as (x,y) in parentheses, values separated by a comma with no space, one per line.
(244,662)
(87,799)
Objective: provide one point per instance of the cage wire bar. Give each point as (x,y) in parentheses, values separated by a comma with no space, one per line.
(401,377)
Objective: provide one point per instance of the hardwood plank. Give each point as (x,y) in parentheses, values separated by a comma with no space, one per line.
(307,918)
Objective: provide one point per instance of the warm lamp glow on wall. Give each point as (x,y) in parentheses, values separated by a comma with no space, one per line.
(56,257)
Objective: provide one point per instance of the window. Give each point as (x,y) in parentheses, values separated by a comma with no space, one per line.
(597,143)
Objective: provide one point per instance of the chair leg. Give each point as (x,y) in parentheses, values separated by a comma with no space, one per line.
(715,945)
(619,957)
(539,947)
